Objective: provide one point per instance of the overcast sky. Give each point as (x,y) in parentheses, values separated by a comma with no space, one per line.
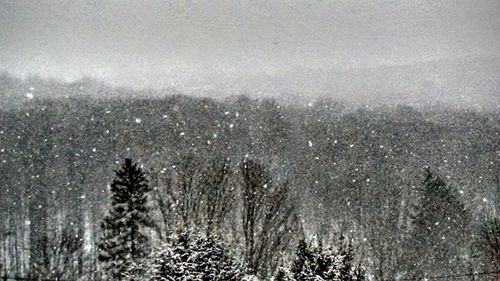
(211,44)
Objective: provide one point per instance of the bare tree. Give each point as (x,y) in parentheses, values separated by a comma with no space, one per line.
(194,193)
(178,194)
(218,193)
(67,251)
(490,240)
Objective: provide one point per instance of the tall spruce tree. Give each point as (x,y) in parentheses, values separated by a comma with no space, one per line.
(123,240)
(440,228)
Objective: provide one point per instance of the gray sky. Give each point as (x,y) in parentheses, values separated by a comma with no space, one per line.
(233,45)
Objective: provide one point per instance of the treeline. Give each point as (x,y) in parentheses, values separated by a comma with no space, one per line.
(357,171)
(196,214)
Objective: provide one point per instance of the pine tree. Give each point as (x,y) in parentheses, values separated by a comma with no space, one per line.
(324,263)
(440,227)
(123,240)
(304,265)
(188,257)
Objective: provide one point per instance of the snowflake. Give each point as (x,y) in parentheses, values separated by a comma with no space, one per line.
(138,120)
(310,143)
(29,96)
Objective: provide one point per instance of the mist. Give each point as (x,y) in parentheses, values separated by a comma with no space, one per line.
(377,51)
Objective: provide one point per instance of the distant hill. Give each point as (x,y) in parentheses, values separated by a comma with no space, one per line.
(470,82)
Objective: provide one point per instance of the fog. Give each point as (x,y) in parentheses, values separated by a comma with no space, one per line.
(404,50)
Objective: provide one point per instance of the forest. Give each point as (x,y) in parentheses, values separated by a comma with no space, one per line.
(102,183)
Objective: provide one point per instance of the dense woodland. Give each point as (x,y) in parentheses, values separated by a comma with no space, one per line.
(273,189)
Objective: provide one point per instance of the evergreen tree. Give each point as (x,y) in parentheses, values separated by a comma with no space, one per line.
(323,263)
(305,263)
(123,240)
(188,257)
(319,263)
(440,227)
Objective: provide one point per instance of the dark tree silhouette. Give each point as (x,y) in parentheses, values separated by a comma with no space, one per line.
(219,195)
(490,241)
(440,227)
(269,219)
(123,240)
